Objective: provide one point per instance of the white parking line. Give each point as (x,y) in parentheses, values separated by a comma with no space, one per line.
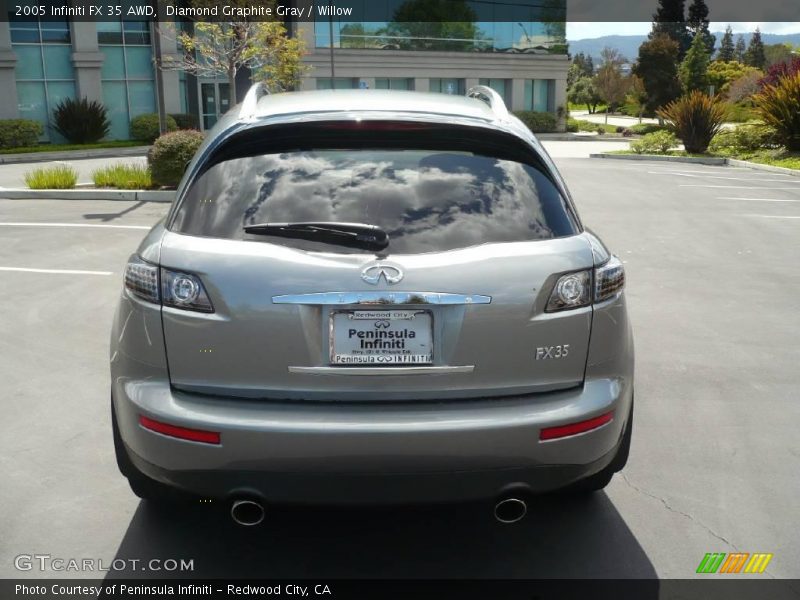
(737,187)
(759,199)
(706,176)
(100,225)
(772,216)
(58,271)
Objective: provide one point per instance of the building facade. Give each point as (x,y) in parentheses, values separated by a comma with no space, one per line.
(43,62)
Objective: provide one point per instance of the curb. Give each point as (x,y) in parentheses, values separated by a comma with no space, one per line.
(759,167)
(574,137)
(711,160)
(125,195)
(35,157)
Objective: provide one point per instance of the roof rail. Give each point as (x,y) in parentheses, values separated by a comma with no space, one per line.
(251,98)
(490,97)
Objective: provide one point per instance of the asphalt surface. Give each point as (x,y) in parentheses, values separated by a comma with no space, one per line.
(711,256)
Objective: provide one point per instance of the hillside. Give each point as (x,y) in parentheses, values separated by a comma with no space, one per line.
(628,45)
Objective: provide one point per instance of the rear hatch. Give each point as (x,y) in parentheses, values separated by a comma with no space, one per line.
(452,307)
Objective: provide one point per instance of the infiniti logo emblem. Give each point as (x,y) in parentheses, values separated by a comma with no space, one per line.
(373,274)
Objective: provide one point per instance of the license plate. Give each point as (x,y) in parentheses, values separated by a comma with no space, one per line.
(381,337)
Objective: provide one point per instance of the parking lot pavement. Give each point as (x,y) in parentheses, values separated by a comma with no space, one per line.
(711,257)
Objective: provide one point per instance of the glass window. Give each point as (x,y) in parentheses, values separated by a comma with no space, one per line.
(29,62)
(394,83)
(115,98)
(339,83)
(113,63)
(539,95)
(448,86)
(426,200)
(58,62)
(139,62)
(32,101)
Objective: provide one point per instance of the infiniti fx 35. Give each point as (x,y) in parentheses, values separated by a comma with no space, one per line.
(371,297)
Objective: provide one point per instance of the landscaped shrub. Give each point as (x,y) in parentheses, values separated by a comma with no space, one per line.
(745,138)
(169,155)
(626,132)
(58,177)
(659,142)
(538,122)
(186,120)
(572,125)
(779,106)
(741,112)
(779,71)
(645,128)
(147,127)
(695,118)
(81,121)
(18,133)
(124,177)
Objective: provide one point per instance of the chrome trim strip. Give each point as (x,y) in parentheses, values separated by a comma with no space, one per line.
(323,298)
(382,370)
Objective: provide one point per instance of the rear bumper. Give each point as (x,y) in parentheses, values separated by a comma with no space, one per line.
(333,452)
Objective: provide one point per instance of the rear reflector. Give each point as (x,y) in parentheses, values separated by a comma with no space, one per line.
(552,433)
(194,435)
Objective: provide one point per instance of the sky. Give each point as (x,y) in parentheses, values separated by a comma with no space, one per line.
(580,31)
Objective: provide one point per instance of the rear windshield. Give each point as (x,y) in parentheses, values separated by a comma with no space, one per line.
(426,200)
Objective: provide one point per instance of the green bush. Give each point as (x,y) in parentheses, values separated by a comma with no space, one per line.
(169,155)
(741,112)
(746,138)
(538,122)
(19,133)
(645,128)
(186,120)
(147,127)
(779,106)
(659,142)
(572,125)
(124,177)
(81,121)
(58,177)
(695,118)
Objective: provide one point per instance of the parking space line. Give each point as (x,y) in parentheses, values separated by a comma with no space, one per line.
(759,199)
(707,176)
(56,271)
(773,216)
(100,225)
(737,187)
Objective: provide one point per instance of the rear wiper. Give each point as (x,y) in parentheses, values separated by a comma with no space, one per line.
(353,235)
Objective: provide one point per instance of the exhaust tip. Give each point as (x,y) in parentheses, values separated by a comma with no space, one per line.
(247,513)
(510,510)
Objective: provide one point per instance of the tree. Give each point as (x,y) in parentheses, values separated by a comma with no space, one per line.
(780,70)
(584,92)
(612,56)
(573,74)
(739,50)
(744,88)
(637,95)
(694,67)
(612,86)
(777,54)
(698,24)
(754,56)
(584,63)
(670,20)
(223,48)
(658,68)
(721,74)
(727,51)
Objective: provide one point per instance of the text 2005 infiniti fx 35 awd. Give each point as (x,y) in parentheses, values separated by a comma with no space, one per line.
(371,297)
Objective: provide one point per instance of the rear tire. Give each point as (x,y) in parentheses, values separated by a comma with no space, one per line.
(598,481)
(143,486)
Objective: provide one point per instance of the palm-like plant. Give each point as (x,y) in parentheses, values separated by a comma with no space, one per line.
(779,106)
(81,121)
(695,118)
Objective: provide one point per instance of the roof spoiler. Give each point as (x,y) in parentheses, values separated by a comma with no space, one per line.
(251,98)
(489,96)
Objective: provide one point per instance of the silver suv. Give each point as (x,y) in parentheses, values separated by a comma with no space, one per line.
(371,297)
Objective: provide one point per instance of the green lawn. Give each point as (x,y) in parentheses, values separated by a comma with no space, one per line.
(64,147)
(775,158)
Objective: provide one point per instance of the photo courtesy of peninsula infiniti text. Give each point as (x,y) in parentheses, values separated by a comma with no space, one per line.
(371,297)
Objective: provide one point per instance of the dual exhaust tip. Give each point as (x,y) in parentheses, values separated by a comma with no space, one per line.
(249,513)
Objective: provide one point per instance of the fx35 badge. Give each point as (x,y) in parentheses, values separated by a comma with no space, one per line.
(545,352)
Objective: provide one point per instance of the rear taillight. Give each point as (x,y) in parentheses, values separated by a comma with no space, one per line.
(574,290)
(609,280)
(183,433)
(562,431)
(176,289)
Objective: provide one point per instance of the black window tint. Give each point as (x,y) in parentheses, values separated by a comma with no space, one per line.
(426,200)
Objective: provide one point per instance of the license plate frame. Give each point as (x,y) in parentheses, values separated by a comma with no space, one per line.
(372,356)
